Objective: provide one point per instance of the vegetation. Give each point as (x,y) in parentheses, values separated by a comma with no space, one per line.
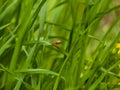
(59,45)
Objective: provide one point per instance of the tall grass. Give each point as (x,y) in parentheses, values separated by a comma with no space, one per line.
(59,45)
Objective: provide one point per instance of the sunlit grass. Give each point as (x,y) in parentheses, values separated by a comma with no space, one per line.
(59,45)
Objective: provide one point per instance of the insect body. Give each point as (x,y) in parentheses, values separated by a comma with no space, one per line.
(57,42)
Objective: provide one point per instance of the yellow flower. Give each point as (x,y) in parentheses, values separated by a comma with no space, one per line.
(118,46)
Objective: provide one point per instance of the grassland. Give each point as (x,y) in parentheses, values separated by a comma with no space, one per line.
(59,45)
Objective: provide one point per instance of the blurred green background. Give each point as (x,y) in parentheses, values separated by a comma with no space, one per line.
(59,44)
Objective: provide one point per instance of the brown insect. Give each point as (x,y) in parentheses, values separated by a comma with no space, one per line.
(57,42)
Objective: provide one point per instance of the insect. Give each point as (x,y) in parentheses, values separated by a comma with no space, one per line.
(57,42)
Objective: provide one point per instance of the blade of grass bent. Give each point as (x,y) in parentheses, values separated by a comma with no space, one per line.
(102,58)
(62,67)
(27,26)
(105,36)
(5,46)
(95,84)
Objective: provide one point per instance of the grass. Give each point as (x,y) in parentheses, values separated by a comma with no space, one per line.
(59,45)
